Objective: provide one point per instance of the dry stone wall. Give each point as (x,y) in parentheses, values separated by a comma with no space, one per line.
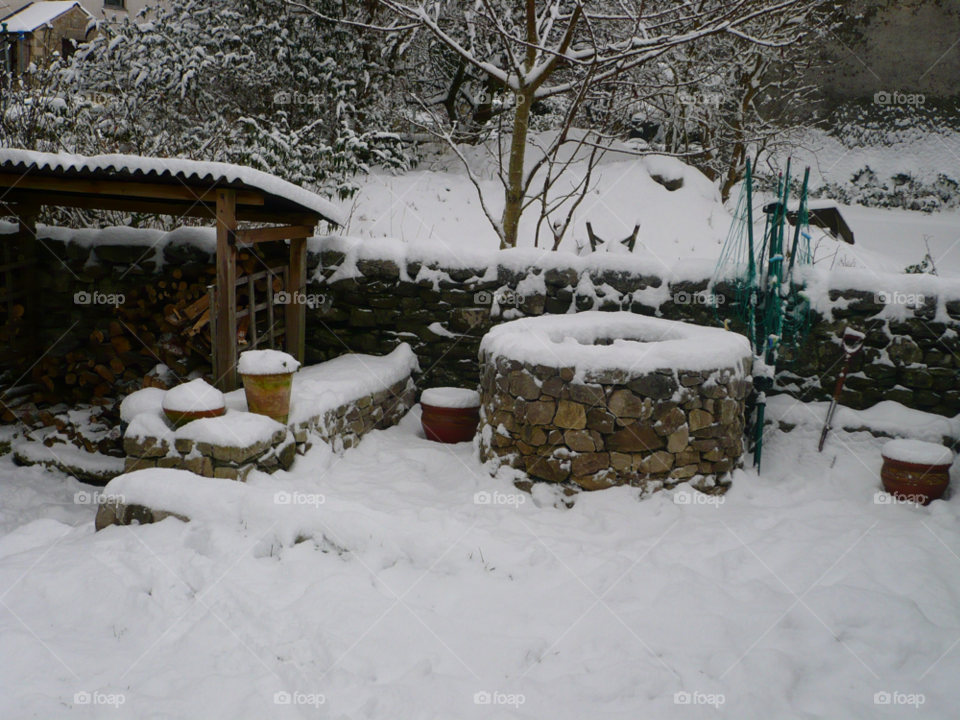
(342,428)
(443,312)
(642,430)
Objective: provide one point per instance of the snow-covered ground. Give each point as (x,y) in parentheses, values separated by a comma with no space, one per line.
(797,595)
(437,203)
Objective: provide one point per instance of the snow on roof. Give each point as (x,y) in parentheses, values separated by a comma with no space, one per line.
(188,171)
(37,15)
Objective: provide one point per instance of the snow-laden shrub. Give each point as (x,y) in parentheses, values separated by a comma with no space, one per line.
(232,81)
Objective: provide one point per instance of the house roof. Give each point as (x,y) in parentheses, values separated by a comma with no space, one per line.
(38,14)
(52,179)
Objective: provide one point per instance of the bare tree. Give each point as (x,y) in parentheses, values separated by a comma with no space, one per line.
(536,50)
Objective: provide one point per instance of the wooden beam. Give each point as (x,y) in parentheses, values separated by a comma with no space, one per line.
(123,188)
(226,310)
(287,232)
(28,279)
(153,207)
(297,309)
(276,217)
(87,202)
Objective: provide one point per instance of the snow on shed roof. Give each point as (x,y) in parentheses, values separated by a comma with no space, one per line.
(280,193)
(37,15)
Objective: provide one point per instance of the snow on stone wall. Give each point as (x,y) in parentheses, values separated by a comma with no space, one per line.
(379,293)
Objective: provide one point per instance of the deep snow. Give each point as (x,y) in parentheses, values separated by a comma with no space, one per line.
(403,582)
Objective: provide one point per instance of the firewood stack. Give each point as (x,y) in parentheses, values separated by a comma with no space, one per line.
(162,322)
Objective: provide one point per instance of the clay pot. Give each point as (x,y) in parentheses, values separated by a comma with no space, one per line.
(915,482)
(181,418)
(450,425)
(269,395)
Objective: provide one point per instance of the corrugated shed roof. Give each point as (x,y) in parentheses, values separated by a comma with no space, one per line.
(282,195)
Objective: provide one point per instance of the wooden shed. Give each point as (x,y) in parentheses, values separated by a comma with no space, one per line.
(224,194)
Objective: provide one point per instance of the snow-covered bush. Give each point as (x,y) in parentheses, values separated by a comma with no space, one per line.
(233,81)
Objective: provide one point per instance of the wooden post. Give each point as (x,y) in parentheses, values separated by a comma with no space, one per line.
(226,340)
(297,310)
(27,242)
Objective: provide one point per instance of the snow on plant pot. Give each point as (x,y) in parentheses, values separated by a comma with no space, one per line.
(267,381)
(915,471)
(192,401)
(602,399)
(450,415)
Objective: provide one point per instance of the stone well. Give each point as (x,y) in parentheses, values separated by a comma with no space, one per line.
(602,399)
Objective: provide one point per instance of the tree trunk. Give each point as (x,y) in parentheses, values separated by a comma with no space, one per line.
(515,185)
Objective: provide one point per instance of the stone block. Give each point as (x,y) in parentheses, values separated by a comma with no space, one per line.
(541,413)
(600,420)
(579,441)
(699,419)
(635,438)
(677,441)
(523,384)
(657,462)
(623,403)
(671,422)
(590,463)
(533,435)
(656,386)
(132,464)
(589,395)
(571,415)
(551,469)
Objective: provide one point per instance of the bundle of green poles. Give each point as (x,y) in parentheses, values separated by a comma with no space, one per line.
(768,290)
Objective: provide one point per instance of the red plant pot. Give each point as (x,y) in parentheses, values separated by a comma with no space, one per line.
(449,425)
(915,482)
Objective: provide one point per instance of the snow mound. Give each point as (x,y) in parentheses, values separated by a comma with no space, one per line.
(148,400)
(918,452)
(448,397)
(640,344)
(267,362)
(194,396)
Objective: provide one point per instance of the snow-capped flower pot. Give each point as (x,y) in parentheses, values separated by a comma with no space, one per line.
(915,471)
(267,381)
(450,415)
(192,401)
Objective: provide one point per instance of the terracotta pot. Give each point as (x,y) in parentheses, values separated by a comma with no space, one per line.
(915,482)
(181,418)
(450,425)
(269,395)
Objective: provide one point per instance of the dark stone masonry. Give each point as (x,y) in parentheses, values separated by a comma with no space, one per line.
(444,313)
(622,428)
